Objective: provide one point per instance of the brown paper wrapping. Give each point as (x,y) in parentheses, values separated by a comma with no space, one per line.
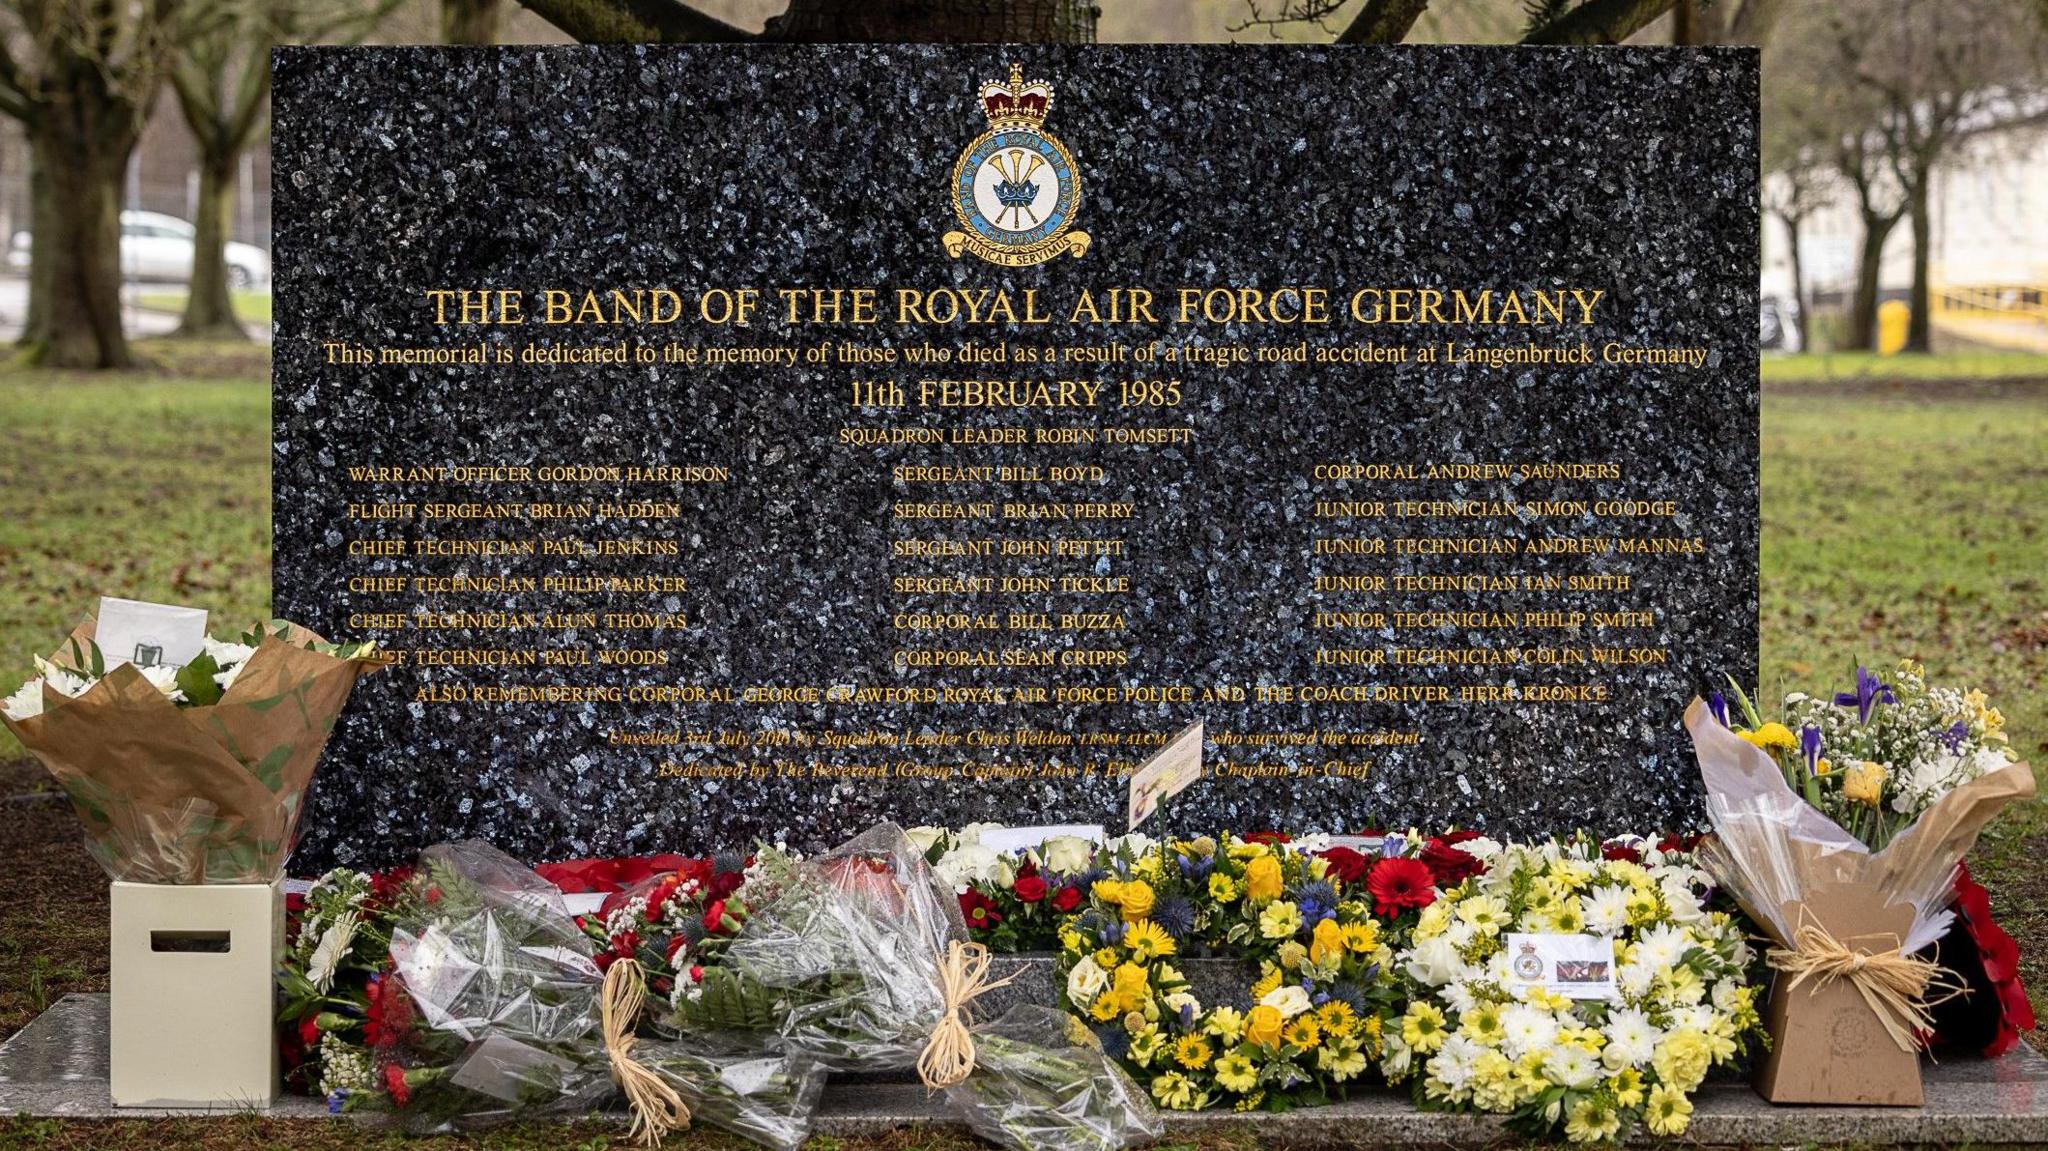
(170,794)
(1786,863)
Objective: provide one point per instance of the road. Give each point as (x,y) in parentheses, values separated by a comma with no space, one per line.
(138,321)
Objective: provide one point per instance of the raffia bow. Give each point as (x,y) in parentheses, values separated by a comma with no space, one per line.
(948,1056)
(1895,986)
(657,1109)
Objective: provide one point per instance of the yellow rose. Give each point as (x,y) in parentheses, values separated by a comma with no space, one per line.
(1130,987)
(1262,880)
(1864,782)
(1262,1026)
(1326,941)
(1109,891)
(1136,899)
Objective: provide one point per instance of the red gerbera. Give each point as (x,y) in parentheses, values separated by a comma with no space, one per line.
(394,1082)
(1399,885)
(979,909)
(1347,865)
(1066,899)
(1029,888)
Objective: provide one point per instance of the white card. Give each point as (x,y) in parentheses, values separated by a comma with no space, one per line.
(1003,840)
(1363,844)
(1168,773)
(1575,966)
(583,902)
(149,634)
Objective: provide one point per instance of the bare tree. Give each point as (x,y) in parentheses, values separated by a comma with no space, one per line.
(221,74)
(1798,175)
(81,76)
(470,21)
(1942,72)
(826,21)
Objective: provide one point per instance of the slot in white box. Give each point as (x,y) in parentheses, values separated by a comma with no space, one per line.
(192,971)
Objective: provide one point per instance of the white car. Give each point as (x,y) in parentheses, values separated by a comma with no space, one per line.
(159,247)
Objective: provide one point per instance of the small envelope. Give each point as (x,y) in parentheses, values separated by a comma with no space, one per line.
(149,634)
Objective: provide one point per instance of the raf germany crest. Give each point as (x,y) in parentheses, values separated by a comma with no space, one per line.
(1015,188)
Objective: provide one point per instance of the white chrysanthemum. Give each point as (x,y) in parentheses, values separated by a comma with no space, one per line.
(26,703)
(1458,994)
(1631,1038)
(226,654)
(1452,1064)
(923,838)
(1606,909)
(1525,1028)
(1662,946)
(1571,1065)
(1634,979)
(63,681)
(164,679)
(333,947)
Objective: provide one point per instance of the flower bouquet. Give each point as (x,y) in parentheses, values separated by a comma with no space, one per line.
(1312,930)
(859,958)
(1850,915)
(515,1019)
(1647,993)
(1012,901)
(192,774)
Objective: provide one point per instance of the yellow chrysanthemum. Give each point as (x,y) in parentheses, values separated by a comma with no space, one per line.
(1341,1059)
(1266,984)
(1681,1059)
(1193,1052)
(1592,1121)
(1423,1027)
(1236,1072)
(1148,941)
(1175,1092)
(1669,1113)
(1482,1025)
(1627,1085)
(1104,1009)
(1280,920)
(1107,959)
(1221,888)
(1226,1024)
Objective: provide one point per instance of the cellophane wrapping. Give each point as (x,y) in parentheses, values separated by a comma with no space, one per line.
(842,955)
(1779,856)
(509,992)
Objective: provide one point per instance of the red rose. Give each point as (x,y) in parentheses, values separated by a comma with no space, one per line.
(1347,865)
(725,883)
(1399,885)
(1029,888)
(1684,843)
(1269,838)
(979,909)
(1447,864)
(394,1082)
(1066,899)
(1621,851)
(714,916)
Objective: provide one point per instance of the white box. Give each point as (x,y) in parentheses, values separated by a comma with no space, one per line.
(192,971)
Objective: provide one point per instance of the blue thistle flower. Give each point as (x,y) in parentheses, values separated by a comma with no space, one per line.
(1175,914)
(1116,1042)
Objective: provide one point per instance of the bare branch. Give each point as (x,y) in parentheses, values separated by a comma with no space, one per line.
(636,22)
(1599,22)
(1383,22)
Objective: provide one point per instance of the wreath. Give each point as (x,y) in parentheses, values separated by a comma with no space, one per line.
(1319,927)
(1592,1044)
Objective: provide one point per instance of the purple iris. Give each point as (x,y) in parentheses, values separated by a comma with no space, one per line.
(1718,704)
(1953,738)
(1870,691)
(1809,746)
(1393,847)
(335,1101)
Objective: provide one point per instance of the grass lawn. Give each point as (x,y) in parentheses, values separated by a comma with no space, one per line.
(250,307)
(1906,519)
(1835,366)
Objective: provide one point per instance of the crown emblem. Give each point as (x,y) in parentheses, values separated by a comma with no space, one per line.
(1016,104)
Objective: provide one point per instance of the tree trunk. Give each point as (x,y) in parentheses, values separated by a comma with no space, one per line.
(78,246)
(469,21)
(40,223)
(1863,305)
(935,21)
(1920,326)
(1799,314)
(209,307)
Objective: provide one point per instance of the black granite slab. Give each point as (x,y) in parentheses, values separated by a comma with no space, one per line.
(1631,172)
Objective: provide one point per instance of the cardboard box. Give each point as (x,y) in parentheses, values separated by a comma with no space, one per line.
(1827,1045)
(192,970)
